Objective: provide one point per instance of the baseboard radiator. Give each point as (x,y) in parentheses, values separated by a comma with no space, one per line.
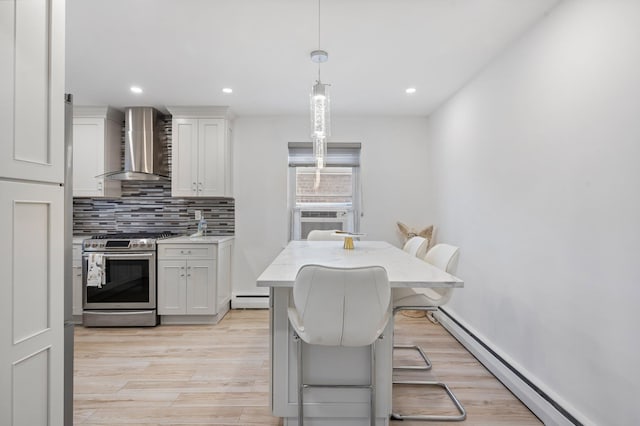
(249,301)
(541,404)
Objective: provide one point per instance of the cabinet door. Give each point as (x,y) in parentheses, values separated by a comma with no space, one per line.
(32,90)
(172,287)
(32,304)
(201,287)
(184,161)
(88,157)
(212,157)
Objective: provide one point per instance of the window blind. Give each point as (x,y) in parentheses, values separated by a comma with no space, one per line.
(338,154)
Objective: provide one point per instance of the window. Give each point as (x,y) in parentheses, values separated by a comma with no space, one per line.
(327,198)
(330,185)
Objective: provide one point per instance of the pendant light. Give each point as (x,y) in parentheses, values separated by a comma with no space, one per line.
(320,119)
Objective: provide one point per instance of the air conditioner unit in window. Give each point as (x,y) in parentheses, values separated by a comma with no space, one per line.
(306,220)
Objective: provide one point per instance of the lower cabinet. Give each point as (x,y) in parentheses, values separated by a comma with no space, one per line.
(76,283)
(193,282)
(186,287)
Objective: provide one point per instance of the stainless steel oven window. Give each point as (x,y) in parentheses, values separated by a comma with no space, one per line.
(130,282)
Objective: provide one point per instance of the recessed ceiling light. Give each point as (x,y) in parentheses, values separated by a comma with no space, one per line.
(411,90)
(227,90)
(136,89)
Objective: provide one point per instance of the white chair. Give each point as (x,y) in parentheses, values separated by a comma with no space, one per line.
(445,257)
(339,307)
(324,235)
(416,246)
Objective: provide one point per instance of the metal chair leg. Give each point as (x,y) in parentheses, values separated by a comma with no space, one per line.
(300,382)
(422,354)
(395,416)
(372,382)
(371,386)
(425,417)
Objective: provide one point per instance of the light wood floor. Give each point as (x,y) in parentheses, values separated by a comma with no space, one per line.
(218,375)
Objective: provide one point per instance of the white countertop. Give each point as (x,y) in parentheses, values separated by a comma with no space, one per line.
(185,239)
(403,269)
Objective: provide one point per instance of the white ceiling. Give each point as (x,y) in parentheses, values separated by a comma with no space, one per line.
(183,52)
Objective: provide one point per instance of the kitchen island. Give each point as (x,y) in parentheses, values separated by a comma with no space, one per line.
(323,364)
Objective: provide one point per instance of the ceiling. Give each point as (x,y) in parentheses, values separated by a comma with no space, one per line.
(183,52)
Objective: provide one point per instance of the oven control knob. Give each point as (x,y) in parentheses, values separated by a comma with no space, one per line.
(134,245)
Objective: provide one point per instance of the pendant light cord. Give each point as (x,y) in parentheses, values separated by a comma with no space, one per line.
(318,39)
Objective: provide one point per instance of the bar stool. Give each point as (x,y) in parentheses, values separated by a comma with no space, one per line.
(339,307)
(445,257)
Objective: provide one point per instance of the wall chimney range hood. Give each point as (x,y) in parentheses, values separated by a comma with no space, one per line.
(145,148)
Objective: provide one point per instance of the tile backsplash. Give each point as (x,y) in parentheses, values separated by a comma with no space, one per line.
(149,207)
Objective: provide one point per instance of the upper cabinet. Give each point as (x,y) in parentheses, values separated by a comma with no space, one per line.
(97,143)
(32,103)
(201,152)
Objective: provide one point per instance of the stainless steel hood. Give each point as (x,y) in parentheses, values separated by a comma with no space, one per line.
(145,147)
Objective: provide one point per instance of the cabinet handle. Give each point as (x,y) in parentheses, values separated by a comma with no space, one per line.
(99,185)
(188,275)
(194,187)
(182,275)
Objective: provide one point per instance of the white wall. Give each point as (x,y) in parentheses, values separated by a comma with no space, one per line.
(393,176)
(534,173)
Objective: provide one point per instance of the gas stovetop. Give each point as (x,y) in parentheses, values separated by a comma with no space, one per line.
(139,241)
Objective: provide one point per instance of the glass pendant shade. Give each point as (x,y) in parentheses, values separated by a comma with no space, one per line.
(320,122)
(319,151)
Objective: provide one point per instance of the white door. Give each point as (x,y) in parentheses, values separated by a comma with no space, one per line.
(31,306)
(31,212)
(32,90)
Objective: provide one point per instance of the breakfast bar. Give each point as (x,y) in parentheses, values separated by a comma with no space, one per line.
(323,364)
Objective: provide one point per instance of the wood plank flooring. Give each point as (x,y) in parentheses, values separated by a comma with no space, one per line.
(219,375)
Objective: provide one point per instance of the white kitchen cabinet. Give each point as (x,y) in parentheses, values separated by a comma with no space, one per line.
(201,152)
(194,279)
(76,266)
(97,142)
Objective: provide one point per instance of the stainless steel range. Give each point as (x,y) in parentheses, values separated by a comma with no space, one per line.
(119,280)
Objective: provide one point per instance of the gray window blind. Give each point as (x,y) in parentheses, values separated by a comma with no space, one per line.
(338,154)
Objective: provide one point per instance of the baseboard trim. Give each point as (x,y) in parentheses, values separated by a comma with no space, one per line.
(249,301)
(541,404)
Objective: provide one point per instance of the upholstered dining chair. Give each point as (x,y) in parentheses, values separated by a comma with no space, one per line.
(339,307)
(324,235)
(444,257)
(416,246)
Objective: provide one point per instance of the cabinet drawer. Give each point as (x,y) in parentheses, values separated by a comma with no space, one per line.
(195,251)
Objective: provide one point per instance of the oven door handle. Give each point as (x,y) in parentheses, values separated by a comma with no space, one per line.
(127,255)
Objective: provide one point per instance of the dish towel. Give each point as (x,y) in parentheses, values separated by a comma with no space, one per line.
(95,270)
